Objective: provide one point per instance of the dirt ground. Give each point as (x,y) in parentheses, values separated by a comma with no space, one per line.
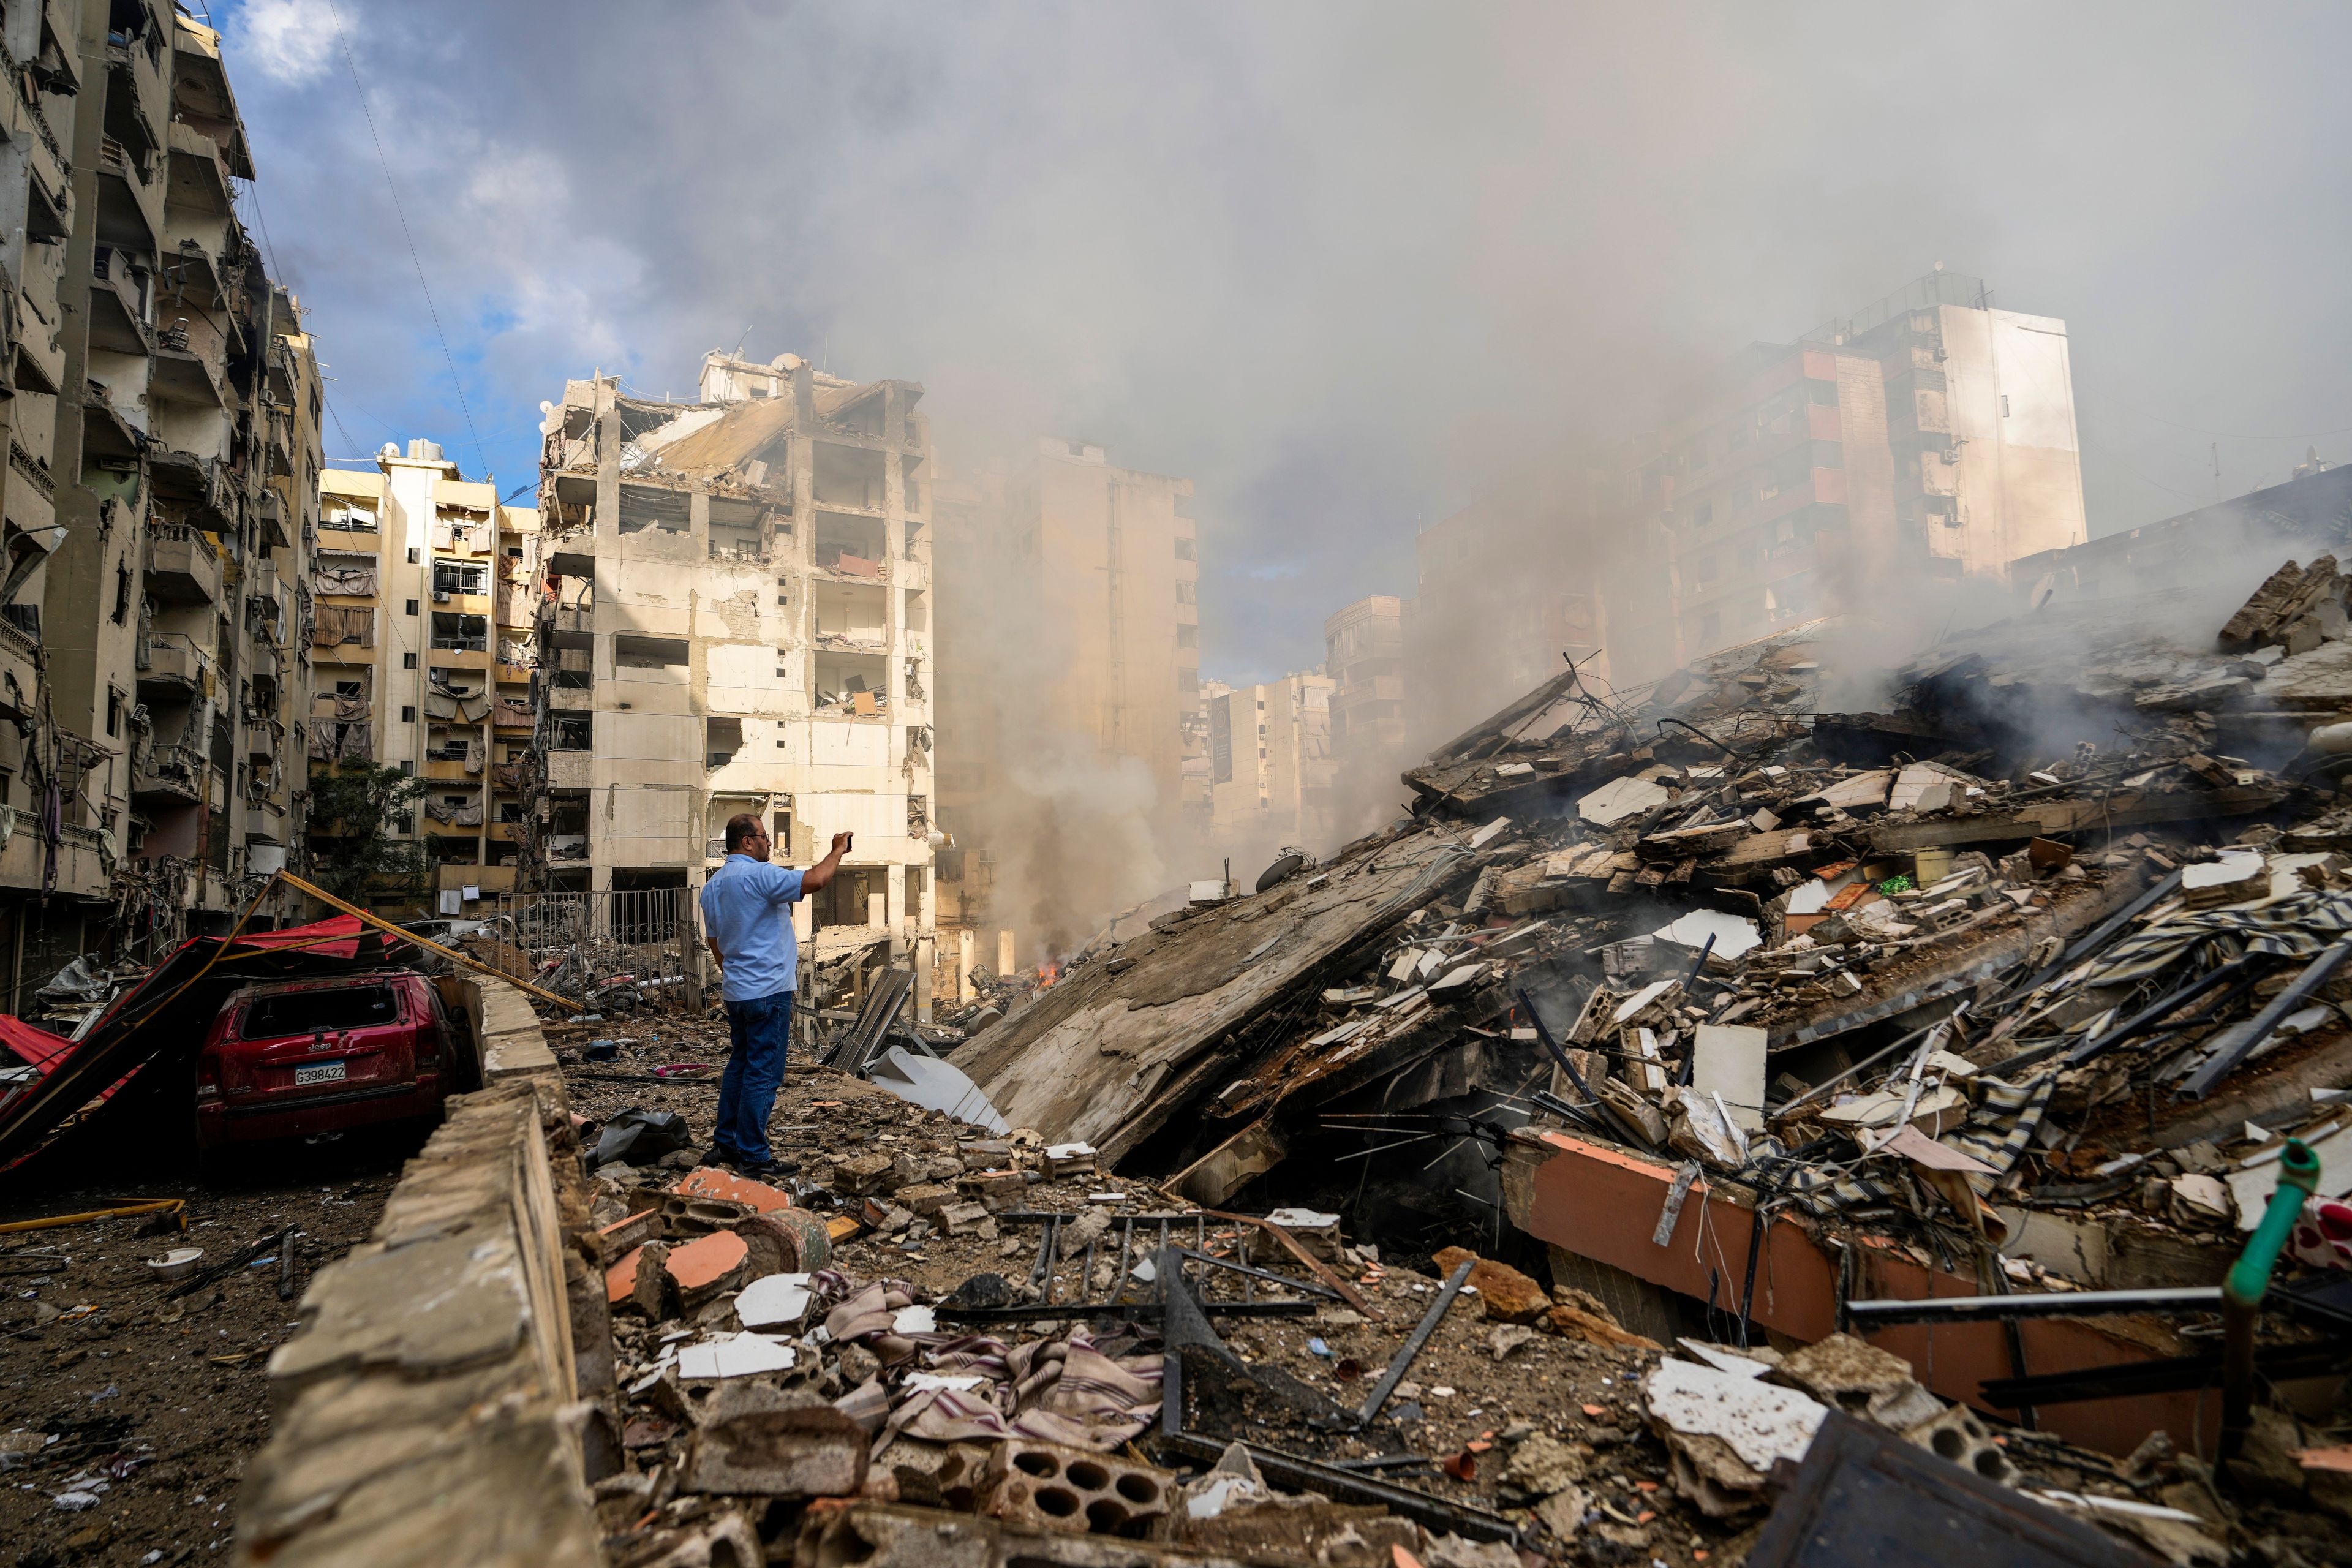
(151,1408)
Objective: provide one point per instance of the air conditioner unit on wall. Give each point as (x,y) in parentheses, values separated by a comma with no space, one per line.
(440,598)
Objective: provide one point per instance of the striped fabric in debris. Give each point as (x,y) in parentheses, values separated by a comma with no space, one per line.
(1998,1129)
(2297,926)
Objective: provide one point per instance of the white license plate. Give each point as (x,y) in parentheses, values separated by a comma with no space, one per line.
(323,1072)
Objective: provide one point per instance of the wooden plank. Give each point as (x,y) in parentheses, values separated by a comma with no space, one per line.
(324,897)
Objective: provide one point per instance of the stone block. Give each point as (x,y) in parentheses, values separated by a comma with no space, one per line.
(963,1219)
(1505,1295)
(860,1173)
(925,1199)
(800,1451)
(997,1189)
(1045,1486)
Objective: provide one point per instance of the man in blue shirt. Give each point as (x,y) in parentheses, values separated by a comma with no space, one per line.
(747,919)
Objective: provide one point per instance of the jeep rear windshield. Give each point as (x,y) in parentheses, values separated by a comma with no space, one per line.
(307,1012)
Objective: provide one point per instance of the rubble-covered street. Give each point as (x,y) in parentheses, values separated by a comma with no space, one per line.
(1709,930)
(1173,787)
(133,1406)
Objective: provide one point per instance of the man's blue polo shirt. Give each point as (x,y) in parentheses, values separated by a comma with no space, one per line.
(747,907)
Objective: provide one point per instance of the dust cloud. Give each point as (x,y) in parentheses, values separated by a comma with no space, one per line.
(1348,268)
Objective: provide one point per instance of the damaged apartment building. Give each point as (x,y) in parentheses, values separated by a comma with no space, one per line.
(425,644)
(734,616)
(162,403)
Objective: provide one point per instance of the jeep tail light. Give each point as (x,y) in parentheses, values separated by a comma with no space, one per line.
(208,1075)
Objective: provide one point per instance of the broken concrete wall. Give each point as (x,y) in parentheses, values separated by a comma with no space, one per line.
(430,1397)
(1186,1019)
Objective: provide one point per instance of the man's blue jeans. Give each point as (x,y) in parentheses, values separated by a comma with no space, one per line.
(758,1030)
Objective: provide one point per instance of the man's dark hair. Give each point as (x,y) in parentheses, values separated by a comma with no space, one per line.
(739,827)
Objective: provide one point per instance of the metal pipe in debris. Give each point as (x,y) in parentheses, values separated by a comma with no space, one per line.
(2230,1047)
(1608,1112)
(1401,1362)
(2170,1301)
(1864,1064)
(2249,1281)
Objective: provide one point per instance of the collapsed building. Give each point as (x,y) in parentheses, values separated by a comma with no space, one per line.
(162,403)
(734,616)
(1732,1010)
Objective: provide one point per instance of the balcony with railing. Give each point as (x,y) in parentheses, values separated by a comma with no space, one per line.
(174,666)
(182,566)
(129,201)
(171,770)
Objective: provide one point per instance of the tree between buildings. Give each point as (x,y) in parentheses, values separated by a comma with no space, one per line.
(358,805)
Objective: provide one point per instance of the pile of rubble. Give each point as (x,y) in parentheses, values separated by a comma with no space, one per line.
(939,1318)
(2024,981)
(942,1335)
(1825,1092)
(1730,903)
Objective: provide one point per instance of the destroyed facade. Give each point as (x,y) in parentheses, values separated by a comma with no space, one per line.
(163,425)
(735,617)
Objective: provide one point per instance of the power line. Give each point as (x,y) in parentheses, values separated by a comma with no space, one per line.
(455,380)
(252,194)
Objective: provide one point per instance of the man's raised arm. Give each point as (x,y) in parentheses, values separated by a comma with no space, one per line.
(814,878)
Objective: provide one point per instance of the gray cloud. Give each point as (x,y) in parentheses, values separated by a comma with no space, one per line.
(1336,262)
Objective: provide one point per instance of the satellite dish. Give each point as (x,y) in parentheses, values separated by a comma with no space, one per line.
(1288,864)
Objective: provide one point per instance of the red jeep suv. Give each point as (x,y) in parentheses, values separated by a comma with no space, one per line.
(306,1056)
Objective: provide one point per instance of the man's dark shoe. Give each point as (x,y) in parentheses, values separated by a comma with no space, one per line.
(767,1170)
(715,1155)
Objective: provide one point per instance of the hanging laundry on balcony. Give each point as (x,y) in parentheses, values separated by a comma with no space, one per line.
(337,573)
(341,624)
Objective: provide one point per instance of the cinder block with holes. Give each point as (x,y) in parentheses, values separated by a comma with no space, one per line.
(1045,1486)
(1958,1435)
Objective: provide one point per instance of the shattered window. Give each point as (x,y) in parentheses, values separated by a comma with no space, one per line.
(307,1012)
(461,577)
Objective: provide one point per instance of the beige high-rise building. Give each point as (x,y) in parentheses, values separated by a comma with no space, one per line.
(1929,437)
(1118,548)
(1270,767)
(158,496)
(1070,693)
(1363,648)
(424,651)
(1363,653)
(735,617)
(1504,591)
